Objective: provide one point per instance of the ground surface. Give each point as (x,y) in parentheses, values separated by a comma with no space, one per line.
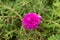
(12,11)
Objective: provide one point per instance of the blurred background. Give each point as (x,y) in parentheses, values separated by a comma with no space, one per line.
(12,12)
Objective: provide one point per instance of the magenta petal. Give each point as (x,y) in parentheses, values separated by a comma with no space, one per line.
(31,21)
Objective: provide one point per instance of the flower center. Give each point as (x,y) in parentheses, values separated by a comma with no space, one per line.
(30,20)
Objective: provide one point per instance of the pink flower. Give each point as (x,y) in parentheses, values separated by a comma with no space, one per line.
(31,20)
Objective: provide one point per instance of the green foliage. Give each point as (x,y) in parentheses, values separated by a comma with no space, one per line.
(56,8)
(54,37)
(12,11)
